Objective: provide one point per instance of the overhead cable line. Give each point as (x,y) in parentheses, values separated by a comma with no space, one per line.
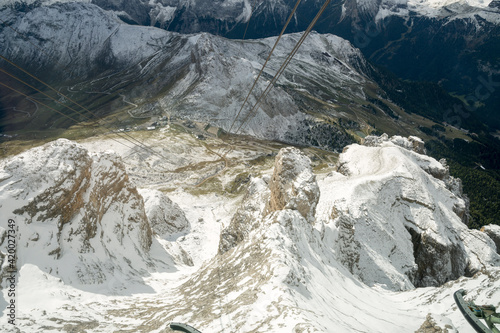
(53,99)
(46,84)
(139,143)
(62,104)
(128,137)
(263,66)
(284,65)
(142,146)
(36,101)
(280,71)
(48,96)
(59,112)
(265,63)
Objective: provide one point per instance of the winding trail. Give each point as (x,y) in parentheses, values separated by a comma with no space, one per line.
(223,158)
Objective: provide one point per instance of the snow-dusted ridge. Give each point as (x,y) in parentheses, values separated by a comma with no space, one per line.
(148,71)
(76,213)
(159,13)
(384,220)
(163,13)
(361,21)
(400,205)
(200,77)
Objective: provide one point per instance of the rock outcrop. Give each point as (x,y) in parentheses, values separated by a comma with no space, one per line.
(411,143)
(430,326)
(397,214)
(493,231)
(247,217)
(165,216)
(78,214)
(399,217)
(437,259)
(439,170)
(62,184)
(293,185)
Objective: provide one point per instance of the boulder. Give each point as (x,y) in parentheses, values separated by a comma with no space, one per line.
(165,216)
(493,231)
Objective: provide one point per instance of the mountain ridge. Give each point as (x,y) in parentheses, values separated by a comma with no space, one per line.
(204,77)
(315,269)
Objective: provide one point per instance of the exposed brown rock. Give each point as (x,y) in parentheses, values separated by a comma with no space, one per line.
(82,189)
(293,185)
(430,326)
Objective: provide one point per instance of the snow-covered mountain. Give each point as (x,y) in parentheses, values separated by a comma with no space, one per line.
(185,16)
(220,17)
(371,240)
(299,251)
(439,9)
(79,217)
(443,41)
(91,54)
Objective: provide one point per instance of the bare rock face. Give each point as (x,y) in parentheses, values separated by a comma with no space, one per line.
(430,326)
(75,207)
(347,246)
(412,143)
(165,216)
(493,231)
(293,185)
(375,141)
(439,260)
(247,217)
(418,144)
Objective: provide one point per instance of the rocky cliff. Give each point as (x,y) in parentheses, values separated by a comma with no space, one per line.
(293,186)
(165,217)
(402,212)
(390,216)
(79,217)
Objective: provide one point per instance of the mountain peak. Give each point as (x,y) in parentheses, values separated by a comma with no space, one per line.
(75,207)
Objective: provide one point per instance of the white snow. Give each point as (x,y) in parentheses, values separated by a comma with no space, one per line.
(346,268)
(443,3)
(160,13)
(287,275)
(43,2)
(450,9)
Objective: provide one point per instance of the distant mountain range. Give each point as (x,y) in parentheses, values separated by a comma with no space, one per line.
(453,43)
(87,53)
